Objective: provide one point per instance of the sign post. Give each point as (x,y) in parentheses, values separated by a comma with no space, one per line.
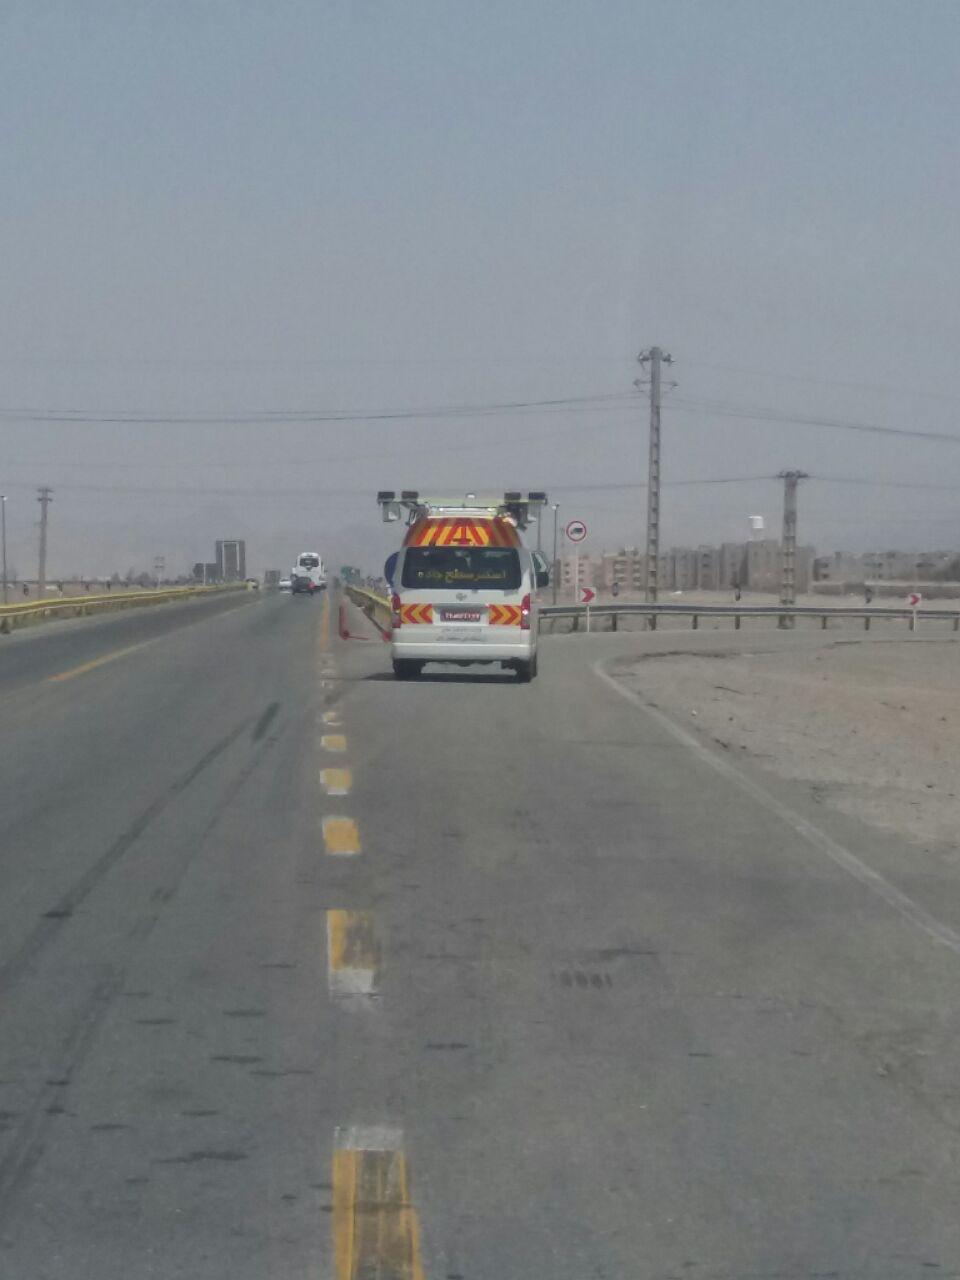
(575,532)
(586,595)
(913,600)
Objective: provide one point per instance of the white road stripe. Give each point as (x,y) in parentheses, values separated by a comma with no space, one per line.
(360,1137)
(843,858)
(348,981)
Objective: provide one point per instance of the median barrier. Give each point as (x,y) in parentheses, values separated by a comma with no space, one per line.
(24,614)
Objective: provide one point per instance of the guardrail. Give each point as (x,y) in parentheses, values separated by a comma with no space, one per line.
(377,608)
(31,611)
(784,613)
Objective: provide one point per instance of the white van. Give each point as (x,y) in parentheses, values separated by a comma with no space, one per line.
(308,574)
(464,591)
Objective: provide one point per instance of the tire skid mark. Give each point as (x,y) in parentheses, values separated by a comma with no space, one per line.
(27,1142)
(51,923)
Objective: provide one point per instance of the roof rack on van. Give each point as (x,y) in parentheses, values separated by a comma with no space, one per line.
(519,507)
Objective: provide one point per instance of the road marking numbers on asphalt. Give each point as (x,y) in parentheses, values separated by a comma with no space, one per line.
(341,837)
(332,718)
(336,782)
(376,1229)
(335,742)
(353,954)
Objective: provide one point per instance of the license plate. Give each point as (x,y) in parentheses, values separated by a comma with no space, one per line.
(458,634)
(461,615)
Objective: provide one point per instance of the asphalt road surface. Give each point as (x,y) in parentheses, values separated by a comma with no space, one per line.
(308,973)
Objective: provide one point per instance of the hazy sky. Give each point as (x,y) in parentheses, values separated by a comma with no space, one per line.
(226,207)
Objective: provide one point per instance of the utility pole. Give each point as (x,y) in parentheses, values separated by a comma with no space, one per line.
(655,358)
(788,546)
(556,562)
(44,499)
(3,536)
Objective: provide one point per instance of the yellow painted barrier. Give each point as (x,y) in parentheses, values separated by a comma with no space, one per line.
(30,611)
(377,608)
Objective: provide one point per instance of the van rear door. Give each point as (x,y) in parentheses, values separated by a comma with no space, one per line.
(461,593)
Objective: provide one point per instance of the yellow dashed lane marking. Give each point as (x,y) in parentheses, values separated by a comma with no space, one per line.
(98,662)
(376,1231)
(336,782)
(334,742)
(353,953)
(341,837)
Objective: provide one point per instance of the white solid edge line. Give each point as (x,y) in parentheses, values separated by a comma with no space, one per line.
(359,1137)
(843,858)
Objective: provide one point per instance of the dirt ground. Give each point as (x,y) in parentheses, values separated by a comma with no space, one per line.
(871,724)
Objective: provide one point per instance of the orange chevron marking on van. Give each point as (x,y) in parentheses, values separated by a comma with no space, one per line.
(503,615)
(449,531)
(411,613)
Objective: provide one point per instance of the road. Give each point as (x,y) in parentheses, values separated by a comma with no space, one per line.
(305,972)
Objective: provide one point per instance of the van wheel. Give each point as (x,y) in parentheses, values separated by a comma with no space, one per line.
(527,671)
(406,668)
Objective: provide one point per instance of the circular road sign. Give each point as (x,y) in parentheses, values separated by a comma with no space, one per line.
(576,531)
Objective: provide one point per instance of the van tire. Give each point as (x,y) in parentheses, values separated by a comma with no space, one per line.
(406,668)
(527,671)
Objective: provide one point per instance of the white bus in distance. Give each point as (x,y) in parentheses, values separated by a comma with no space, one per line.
(308,575)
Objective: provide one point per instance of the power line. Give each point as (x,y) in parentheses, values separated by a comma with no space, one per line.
(887,484)
(753,414)
(307,416)
(339,491)
(882,388)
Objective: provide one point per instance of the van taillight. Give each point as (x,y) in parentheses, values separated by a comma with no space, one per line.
(395,611)
(525,614)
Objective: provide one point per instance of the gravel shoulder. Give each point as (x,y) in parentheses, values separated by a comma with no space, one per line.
(872,725)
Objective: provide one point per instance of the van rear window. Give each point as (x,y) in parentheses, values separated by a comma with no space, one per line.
(482,568)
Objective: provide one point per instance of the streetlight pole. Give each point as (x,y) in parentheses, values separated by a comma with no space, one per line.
(556,563)
(3,538)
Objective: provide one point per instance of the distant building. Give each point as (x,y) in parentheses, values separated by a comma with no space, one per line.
(206,573)
(708,568)
(883,566)
(763,565)
(753,566)
(733,565)
(682,569)
(590,570)
(231,560)
(626,568)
